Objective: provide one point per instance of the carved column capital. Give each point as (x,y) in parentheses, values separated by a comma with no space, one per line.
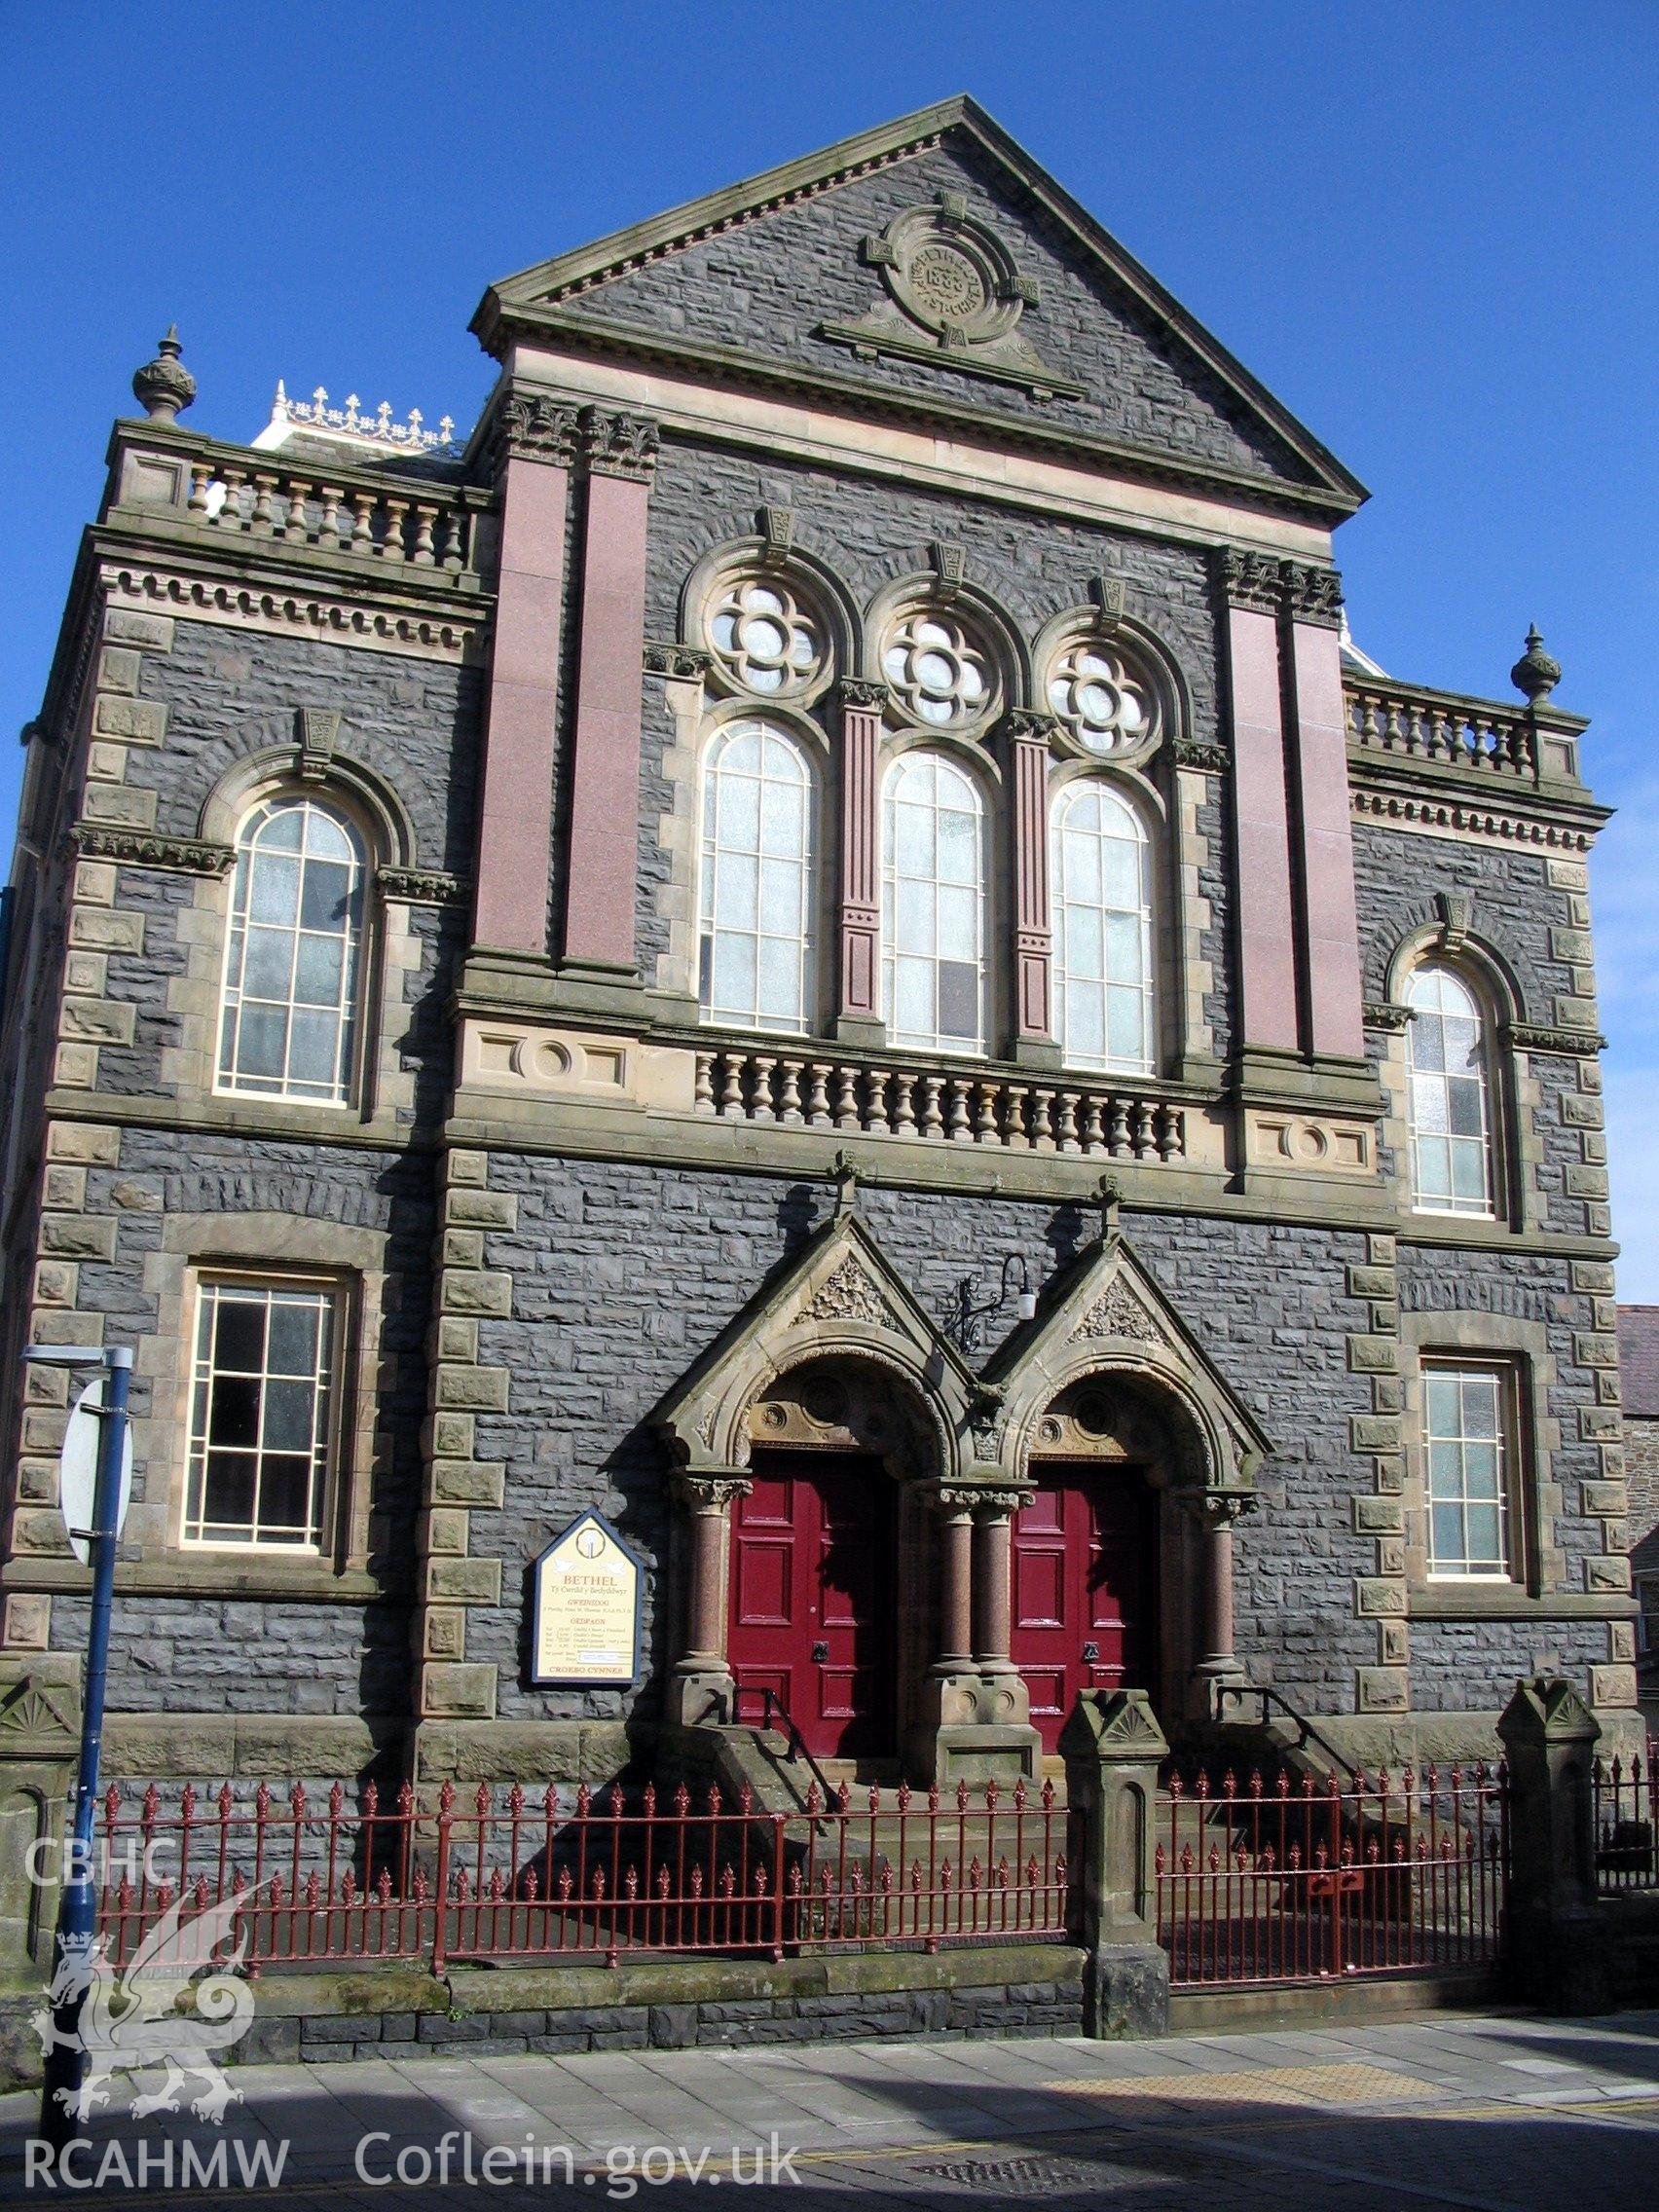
(952,1501)
(1217,1508)
(1026,726)
(619,444)
(712,1493)
(860,695)
(999,1504)
(532,426)
(1312,595)
(1251,579)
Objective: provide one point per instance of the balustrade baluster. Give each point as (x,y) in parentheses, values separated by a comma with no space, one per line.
(391,544)
(1118,1129)
(364,533)
(1065,1122)
(789,1092)
(760,1089)
(818,1095)
(1146,1143)
(454,550)
(702,1086)
(876,1100)
(846,1098)
(903,1110)
(986,1119)
(297,524)
(933,1120)
(425,519)
(1016,1133)
(731,1083)
(201,477)
(1042,1121)
(1093,1133)
(231,514)
(959,1131)
(263,523)
(328,530)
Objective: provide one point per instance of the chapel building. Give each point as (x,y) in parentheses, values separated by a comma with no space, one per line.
(806,969)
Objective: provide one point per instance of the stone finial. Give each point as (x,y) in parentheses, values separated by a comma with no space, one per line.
(1536,673)
(164,385)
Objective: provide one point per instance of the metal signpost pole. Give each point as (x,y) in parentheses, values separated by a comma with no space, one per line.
(77,1909)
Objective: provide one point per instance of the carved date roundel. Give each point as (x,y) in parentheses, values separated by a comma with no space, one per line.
(946,283)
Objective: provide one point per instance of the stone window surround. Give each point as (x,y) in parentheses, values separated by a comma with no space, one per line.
(389,947)
(1513,1150)
(267,1248)
(1539,1570)
(701,704)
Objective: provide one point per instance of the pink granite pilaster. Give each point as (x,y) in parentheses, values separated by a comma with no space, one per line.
(1261,818)
(858,986)
(515,833)
(603,860)
(1033,935)
(1334,992)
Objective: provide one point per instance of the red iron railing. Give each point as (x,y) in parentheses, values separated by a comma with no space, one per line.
(1627,1825)
(587,1879)
(1377,1875)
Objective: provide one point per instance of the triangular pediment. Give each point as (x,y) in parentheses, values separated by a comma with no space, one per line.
(935,262)
(840,1297)
(1108,1313)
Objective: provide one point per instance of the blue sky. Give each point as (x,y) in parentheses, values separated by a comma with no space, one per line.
(1431,228)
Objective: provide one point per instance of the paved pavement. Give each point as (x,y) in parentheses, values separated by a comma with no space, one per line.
(1501,2113)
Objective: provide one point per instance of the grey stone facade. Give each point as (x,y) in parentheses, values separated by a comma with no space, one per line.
(555,1203)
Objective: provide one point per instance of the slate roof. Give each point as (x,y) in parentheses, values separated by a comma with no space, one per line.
(1639,1360)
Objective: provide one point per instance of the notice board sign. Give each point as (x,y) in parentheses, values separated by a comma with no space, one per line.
(587,1588)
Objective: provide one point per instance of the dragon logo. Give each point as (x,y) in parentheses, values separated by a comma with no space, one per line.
(130,2017)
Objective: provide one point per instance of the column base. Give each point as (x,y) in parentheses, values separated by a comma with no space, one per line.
(975,1751)
(862,1032)
(699,1696)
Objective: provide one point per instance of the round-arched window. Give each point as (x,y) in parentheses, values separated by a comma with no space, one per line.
(932,906)
(1451,1117)
(756,948)
(288,1024)
(1102,915)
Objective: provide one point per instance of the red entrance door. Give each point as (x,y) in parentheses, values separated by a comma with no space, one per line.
(1083,1559)
(811,1613)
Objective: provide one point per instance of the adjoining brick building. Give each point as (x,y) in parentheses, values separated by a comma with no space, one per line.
(603,967)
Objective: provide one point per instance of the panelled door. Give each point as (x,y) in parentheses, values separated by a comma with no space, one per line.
(1084,1588)
(812,1596)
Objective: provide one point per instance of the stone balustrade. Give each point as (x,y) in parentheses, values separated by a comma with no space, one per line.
(1436,725)
(418,524)
(960,1107)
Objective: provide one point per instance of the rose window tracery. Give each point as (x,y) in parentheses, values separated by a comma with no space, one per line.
(765,639)
(937,668)
(1104,703)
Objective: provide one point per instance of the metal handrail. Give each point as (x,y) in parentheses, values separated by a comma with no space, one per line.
(771,1702)
(1306,1731)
